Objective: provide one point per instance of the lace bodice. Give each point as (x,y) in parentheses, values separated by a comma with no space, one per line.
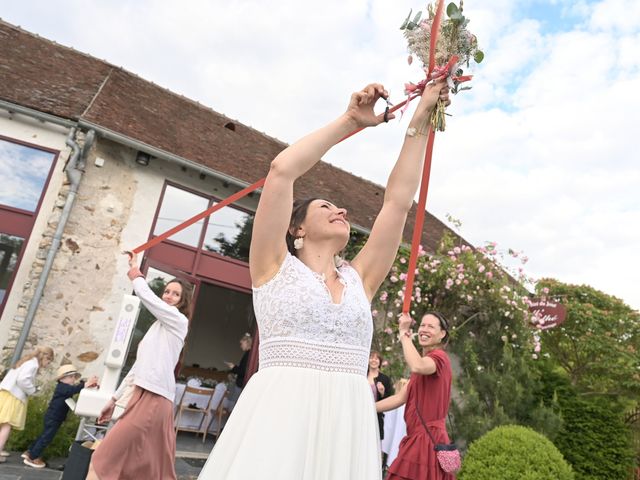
(301,326)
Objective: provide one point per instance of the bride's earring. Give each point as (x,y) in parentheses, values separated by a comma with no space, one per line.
(298,243)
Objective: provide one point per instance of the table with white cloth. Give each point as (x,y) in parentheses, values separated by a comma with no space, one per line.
(190,419)
(394,431)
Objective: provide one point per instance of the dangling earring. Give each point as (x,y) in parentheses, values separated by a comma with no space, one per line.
(298,243)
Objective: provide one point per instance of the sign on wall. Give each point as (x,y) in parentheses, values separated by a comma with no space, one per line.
(547,313)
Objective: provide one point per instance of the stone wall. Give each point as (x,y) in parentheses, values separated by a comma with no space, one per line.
(76,313)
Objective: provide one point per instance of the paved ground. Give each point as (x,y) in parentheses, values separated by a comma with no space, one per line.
(14,469)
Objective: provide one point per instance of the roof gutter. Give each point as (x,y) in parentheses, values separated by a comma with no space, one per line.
(74,171)
(30,112)
(170,157)
(158,153)
(135,144)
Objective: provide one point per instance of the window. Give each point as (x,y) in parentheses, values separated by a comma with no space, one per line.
(10,248)
(228,231)
(177,206)
(24,173)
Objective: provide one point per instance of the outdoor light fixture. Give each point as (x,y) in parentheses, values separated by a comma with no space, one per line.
(143,159)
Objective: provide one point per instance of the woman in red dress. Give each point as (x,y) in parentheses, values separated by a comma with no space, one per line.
(428,392)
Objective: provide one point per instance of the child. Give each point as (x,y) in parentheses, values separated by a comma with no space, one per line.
(17,385)
(66,387)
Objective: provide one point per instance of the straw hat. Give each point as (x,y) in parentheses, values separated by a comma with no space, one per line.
(66,370)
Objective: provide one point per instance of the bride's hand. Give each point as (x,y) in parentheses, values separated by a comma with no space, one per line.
(438,89)
(360,109)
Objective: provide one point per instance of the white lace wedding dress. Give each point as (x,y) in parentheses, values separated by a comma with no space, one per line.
(308,413)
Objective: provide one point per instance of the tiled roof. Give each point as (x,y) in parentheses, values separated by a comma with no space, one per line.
(45,76)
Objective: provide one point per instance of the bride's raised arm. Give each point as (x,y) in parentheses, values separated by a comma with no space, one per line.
(268,246)
(376,257)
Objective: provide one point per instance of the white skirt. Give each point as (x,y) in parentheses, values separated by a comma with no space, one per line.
(295,423)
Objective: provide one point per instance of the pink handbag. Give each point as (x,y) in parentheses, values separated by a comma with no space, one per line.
(447,454)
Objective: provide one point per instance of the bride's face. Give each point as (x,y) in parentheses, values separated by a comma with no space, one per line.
(326,222)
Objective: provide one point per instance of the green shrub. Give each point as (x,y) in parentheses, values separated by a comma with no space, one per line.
(513,452)
(19,440)
(595,440)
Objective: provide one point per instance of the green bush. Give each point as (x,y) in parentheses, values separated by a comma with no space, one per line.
(19,440)
(595,440)
(513,452)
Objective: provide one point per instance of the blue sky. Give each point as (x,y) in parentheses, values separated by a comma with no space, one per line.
(540,156)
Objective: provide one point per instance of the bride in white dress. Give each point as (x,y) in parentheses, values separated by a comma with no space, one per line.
(308,413)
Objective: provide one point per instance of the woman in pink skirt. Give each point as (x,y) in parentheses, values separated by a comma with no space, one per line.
(142,444)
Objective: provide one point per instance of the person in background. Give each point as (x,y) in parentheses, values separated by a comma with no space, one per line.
(240,370)
(142,444)
(380,384)
(16,387)
(67,386)
(426,399)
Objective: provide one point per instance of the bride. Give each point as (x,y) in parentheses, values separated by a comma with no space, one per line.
(308,413)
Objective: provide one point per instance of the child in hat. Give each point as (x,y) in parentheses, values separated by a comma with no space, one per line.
(67,386)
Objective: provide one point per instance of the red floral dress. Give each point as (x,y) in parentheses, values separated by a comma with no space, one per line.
(431,394)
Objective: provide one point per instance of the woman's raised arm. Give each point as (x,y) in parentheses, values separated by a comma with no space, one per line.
(268,246)
(376,257)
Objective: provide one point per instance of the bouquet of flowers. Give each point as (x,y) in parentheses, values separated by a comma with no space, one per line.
(455,46)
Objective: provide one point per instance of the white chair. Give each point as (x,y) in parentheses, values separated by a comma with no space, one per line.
(196,401)
(218,408)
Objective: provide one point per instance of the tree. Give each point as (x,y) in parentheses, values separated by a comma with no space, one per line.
(491,335)
(598,344)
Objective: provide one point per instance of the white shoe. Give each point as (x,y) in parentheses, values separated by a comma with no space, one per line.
(35,463)
(25,455)
(4,453)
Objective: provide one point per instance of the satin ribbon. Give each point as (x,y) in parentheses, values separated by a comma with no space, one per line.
(414,92)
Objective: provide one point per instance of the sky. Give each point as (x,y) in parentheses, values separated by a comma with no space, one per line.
(540,156)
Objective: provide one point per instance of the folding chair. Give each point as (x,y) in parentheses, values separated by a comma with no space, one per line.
(201,398)
(219,409)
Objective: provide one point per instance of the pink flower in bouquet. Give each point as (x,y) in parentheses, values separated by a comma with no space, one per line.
(481,268)
(393,278)
(457,250)
(403,276)
(489,275)
(449,283)
(388,331)
(402,260)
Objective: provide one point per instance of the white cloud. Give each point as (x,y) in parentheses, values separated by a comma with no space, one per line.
(540,156)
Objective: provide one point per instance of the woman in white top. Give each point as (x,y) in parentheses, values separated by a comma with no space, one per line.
(16,387)
(308,413)
(142,444)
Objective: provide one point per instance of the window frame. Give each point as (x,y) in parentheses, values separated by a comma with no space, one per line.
(18,222)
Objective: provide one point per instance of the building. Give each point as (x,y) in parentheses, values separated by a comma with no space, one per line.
(139,160)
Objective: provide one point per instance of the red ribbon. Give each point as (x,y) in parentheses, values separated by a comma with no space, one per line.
(426,169)
(413,91)
(236,196)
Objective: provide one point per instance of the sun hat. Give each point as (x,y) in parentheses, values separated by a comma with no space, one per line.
(66,370)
